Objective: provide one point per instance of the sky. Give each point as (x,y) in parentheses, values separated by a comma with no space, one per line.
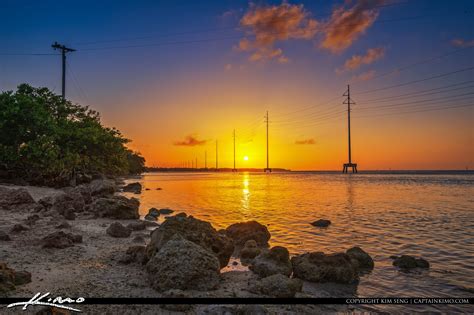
(177,76)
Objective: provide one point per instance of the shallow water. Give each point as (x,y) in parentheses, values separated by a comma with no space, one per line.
(428,215)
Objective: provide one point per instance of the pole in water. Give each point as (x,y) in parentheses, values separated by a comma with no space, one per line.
(267,169)
(234,169)
(349,102)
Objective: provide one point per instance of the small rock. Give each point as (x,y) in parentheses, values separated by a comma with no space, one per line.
(101,187)
(116,229)
(251,230)
(153,212)
(166,211)
(17,228)
(275,261)
(22,277)
(181,215)
(7,278)
(361,258)
(135,188)
(250,250)
(277,285)
(4,236)
(60,239)
(16,199)
(159,188)
(321,223)
(319,267)
(137,226)
(134,253)
(150,218)
(116,207)
(410,262)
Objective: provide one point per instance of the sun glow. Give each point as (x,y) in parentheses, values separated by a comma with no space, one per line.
(246,158)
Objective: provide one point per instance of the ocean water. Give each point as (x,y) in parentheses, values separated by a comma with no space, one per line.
(429,215)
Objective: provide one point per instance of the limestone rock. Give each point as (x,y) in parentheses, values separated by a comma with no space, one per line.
(116,229)
(251,230)
(181,264)
(116,207)
(319,267)
(275,261)
(196,231)
(361,258)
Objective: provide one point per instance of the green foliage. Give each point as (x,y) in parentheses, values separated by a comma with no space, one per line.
(45,137)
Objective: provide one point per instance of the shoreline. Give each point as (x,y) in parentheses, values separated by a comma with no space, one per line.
(93,269)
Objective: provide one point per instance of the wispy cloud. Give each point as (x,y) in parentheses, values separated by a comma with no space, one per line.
(267,25)
(349,23)
(190,141)
(364,76)
(306,141)
(458,42)
(356,61)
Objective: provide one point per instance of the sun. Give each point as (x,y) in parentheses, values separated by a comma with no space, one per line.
(246,158)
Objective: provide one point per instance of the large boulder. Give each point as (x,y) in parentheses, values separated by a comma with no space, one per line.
(274,261)
(319,267)
(135,188)
(252,230)
(60,239)
(116,229)
(277,285)
(116,207)
(196,231)
(410,262)
(102,187)
(16,199)
(360,258)
(181,264)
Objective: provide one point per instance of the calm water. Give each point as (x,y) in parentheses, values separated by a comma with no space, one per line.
(386,214)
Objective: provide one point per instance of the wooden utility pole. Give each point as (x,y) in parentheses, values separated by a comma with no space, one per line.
(349,102)
(64,50)
(267,169)
(217,158)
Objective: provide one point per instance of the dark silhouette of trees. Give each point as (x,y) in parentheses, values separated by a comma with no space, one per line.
(47,140)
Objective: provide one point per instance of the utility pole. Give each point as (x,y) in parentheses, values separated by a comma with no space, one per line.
(234,169)
(217,158)
(267,169)
(349,102)
(64,50)
(205,159)
(196,163)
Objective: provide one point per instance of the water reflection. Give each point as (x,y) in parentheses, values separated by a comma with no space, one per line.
(429,216)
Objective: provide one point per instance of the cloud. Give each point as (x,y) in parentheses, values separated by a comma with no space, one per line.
(356,61)
(306,141)
(190,141)
(347,24)
(458,42)
(267,25)
(228,67)
(364,76)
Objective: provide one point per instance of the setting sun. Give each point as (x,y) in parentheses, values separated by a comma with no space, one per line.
(246,158)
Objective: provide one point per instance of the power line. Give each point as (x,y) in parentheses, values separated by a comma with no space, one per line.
(420,93)
(417,111)
(420,62)
(417,81)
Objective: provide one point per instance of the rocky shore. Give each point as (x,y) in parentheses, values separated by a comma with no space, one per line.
(89,241)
